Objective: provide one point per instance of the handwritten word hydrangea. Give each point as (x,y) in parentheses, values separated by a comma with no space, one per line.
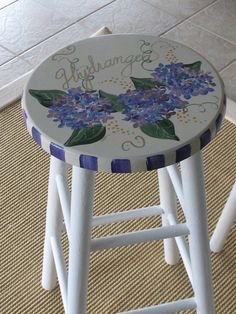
(80,109)
(142,106)
(183,80)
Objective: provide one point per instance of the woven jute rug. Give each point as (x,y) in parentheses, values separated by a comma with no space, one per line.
(120,279)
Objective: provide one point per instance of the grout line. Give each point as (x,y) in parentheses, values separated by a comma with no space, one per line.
(183,19)
(7,5)
(160,8)
(56,33)
(213,33)
(189,17)
(17,85)
(15,56)
(11,52)
(227,66)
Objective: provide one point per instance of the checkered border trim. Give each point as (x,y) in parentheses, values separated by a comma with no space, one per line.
(127,165)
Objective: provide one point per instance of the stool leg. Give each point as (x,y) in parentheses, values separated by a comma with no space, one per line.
(225,223)
(53,223)
(80,236)
(196,216)
(168,203)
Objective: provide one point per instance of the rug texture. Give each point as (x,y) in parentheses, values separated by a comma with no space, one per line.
(120,279)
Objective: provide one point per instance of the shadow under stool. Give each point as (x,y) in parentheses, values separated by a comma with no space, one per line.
(122,104)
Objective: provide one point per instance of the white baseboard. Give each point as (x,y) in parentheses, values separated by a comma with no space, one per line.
(231,110)
(13,91)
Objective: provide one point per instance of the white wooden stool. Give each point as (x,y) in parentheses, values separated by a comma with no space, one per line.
(225,223)
(121,104)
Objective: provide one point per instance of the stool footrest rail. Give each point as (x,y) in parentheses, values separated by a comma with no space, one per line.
(166,308)
(124,239)
(127,215)
(119,216)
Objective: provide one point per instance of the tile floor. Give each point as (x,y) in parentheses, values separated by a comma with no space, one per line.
(30,30)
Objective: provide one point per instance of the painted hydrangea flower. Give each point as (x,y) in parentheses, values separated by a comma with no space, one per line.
(142,106)
(80,109)
(183,80)
(148,106)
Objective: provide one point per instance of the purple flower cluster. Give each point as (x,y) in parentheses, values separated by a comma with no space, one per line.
(183,81)
(80,109)
(142,106)
(148,103)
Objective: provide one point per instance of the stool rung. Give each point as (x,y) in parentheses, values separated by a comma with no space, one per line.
(176,180)
(166,308)
(183,248)
(60,268)
(64,196)
(127,215)
(139,237)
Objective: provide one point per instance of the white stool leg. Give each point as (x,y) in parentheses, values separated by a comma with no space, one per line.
(80,236)
(196,216)
(225,223)
(53,223)
(168,203)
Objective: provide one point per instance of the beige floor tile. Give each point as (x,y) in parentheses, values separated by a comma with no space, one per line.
(181,8)
(218,51)
(5,55)
(25,23)
(229,77)
(73,9)
(37,28)
(128,16)
(64,38)
(219,18)
(12,70)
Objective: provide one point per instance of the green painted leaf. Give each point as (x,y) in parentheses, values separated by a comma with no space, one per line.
(145,83)
(86,135)
(194,66)
(45,97)
(164,129)
(116,105)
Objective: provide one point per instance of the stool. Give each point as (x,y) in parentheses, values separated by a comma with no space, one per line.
(226,221)
(121,104)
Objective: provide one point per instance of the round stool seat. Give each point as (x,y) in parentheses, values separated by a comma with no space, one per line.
(124,103)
